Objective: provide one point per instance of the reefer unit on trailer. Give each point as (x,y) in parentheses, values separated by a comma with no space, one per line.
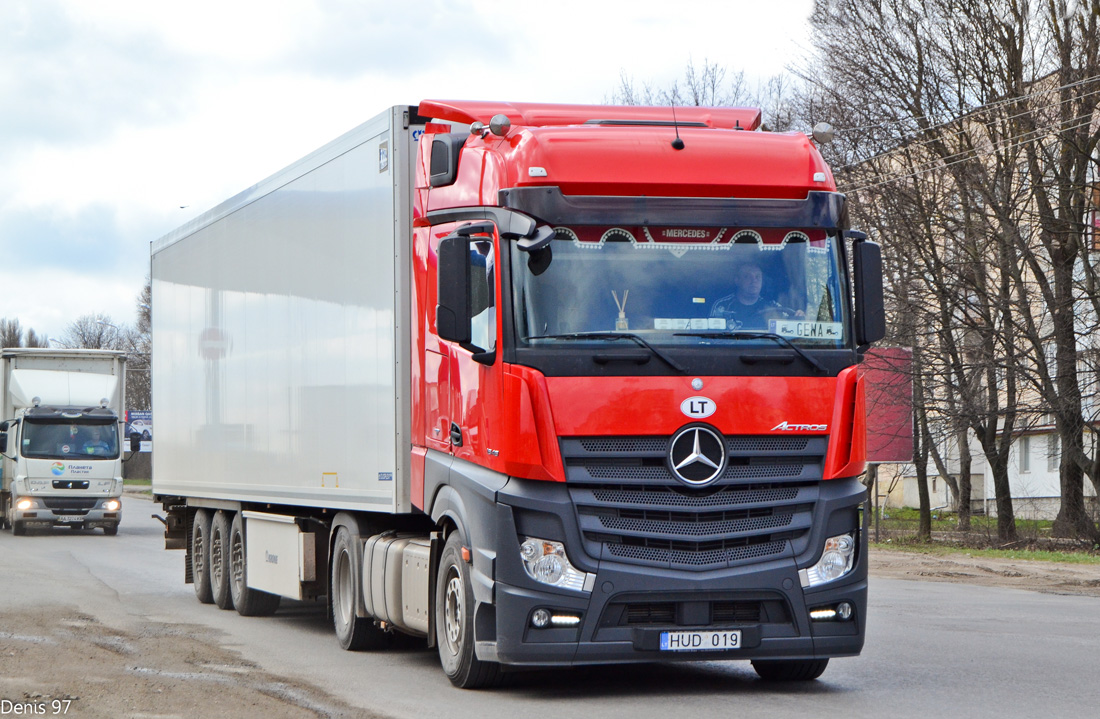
(544,384)
(60,438)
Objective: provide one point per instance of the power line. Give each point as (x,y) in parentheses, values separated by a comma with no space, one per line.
(985,106)
(955,133)
(935,165)
(1037,132)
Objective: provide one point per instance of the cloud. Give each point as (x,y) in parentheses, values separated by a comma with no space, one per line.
(66,80)
(346,39)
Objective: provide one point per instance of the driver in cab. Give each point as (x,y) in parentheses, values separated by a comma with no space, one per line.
(746,307)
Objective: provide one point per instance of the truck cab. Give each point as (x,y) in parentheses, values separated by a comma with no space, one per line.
(62,461)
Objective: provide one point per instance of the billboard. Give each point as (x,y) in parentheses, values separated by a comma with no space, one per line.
(139,429)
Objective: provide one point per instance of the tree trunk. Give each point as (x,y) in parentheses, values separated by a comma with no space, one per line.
(965,461)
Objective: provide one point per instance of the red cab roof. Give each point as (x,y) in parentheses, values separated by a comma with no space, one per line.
(539,115)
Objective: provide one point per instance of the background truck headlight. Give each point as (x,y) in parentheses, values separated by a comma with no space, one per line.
(837,559)
(545,562)
(112,505)
(24,504)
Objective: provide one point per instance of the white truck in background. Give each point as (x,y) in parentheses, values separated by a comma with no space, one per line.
(61,438)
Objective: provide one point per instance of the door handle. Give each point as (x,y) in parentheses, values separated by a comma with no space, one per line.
(456,435)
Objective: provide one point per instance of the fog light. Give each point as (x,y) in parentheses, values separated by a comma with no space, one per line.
(844,611)
(540,619)
(837,559)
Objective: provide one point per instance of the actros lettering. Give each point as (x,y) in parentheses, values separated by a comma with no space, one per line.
(788,427)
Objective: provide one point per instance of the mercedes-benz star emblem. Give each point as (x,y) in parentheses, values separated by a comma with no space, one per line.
(697,455)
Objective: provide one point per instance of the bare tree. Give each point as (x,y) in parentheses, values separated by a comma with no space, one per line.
(12,335)
(96,332)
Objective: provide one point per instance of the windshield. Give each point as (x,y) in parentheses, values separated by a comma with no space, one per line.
(57,440)
(682,286)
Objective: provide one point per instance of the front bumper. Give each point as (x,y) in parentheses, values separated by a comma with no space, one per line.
(631,603)
(53,511)
(623,618)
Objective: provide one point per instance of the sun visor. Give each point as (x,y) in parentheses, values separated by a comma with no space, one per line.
(73,389)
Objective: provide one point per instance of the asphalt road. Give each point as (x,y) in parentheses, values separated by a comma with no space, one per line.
(933,649)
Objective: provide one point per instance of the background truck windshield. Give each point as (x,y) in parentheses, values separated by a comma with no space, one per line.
(54,440)
(672,285)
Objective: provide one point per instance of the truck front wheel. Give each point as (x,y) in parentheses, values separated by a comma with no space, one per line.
(353,632)
(219,559)
(454,622)
(790,670)
(200,556)
(248,601)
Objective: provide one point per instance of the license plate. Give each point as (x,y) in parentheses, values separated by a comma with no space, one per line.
(700,641)
(69,519)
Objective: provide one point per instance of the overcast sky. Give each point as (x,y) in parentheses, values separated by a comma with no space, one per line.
(122,119)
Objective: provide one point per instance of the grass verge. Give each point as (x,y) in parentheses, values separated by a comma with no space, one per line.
(941,549)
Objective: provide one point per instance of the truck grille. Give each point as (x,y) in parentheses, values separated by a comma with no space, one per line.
(69,505)
(637,611)
(631,509)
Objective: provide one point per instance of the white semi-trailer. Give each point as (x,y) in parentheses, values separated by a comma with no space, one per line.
(60,438)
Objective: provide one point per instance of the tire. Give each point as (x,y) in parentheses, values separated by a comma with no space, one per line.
(111,530)
(354,633)
(219,559)
(454,622)
(18,529)
(249,602)
(790,671)
(5,521)
(200,556)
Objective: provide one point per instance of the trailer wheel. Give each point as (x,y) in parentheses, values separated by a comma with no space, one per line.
(249,602)
(790,670)
(200,556)
(219,559)
(354,633)
(454,622)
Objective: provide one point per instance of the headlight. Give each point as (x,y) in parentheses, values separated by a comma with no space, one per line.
(837,559)
(25,504)
(545,562)
(112,505)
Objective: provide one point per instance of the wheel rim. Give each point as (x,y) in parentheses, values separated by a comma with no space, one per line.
(453,601)
(343,589)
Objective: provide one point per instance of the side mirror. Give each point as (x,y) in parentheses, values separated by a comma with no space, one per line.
(462,301)
(452,313)
(870,324)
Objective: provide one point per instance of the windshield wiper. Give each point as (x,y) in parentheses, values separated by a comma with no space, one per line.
(615,336)
(742,335)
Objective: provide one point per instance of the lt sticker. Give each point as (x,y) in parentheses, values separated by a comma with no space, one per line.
(698,407)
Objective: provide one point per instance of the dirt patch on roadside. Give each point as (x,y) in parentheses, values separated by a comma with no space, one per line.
(61,662)
(1050,577)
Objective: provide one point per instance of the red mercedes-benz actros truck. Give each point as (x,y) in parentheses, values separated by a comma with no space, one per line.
(544,384)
